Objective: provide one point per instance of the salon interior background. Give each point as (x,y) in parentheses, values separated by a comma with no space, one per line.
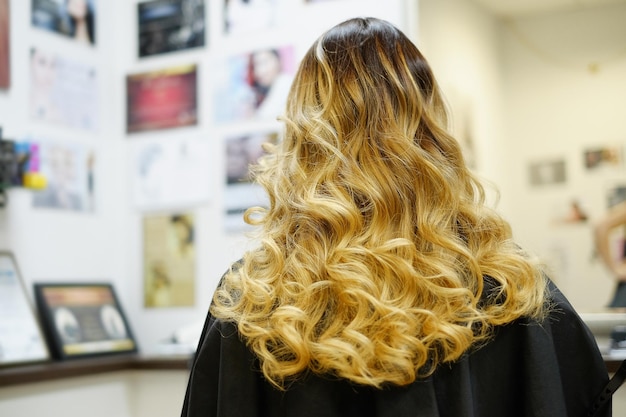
(534,94)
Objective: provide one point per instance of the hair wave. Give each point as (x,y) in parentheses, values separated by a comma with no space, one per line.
(377,242)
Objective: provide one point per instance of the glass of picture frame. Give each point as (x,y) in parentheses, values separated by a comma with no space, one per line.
(21,338)
(83,319)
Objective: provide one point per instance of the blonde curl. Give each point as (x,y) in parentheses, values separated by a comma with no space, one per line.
(378,258)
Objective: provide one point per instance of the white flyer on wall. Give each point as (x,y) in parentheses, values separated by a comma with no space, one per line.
(170,172)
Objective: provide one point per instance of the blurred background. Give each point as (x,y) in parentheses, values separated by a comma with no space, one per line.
(142,117)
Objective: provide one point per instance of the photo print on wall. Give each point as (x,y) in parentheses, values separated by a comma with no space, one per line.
(547,172)
(610,157)
(254,86)
(69,170)
(63,92)
(169,260)
(170,25)
(75,19)
(241,193)
(162,99)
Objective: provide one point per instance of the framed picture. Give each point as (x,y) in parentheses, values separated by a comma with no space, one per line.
(21,337)
(162,99)
(83,319)
(603,157)
(547,172)
(170,25)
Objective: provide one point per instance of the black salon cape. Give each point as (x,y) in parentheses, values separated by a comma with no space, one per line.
(553,369)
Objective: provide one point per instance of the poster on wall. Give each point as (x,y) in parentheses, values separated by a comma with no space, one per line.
(162,99)
(246,16)
(171,172)
(5,50)
(170,25)
(70,173)
(241,193)
(603,157)
(169,260)
(62,91)
(75,19)
(547,172)
(254,86)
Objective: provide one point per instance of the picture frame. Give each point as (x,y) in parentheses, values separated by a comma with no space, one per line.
(22,339)
(83,319)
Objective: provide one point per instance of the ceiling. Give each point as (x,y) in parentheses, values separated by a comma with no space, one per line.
(518,8)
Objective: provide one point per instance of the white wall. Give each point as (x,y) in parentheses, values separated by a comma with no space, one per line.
(532,98)
(460,41)
(555,107)
(53,245)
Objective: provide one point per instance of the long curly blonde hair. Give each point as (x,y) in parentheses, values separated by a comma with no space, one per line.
(378,258)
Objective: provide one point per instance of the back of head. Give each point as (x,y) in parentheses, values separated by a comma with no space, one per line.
(365,115)
(374,250)
(365,93)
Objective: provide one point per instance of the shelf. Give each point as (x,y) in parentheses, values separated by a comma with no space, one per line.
(48,371)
